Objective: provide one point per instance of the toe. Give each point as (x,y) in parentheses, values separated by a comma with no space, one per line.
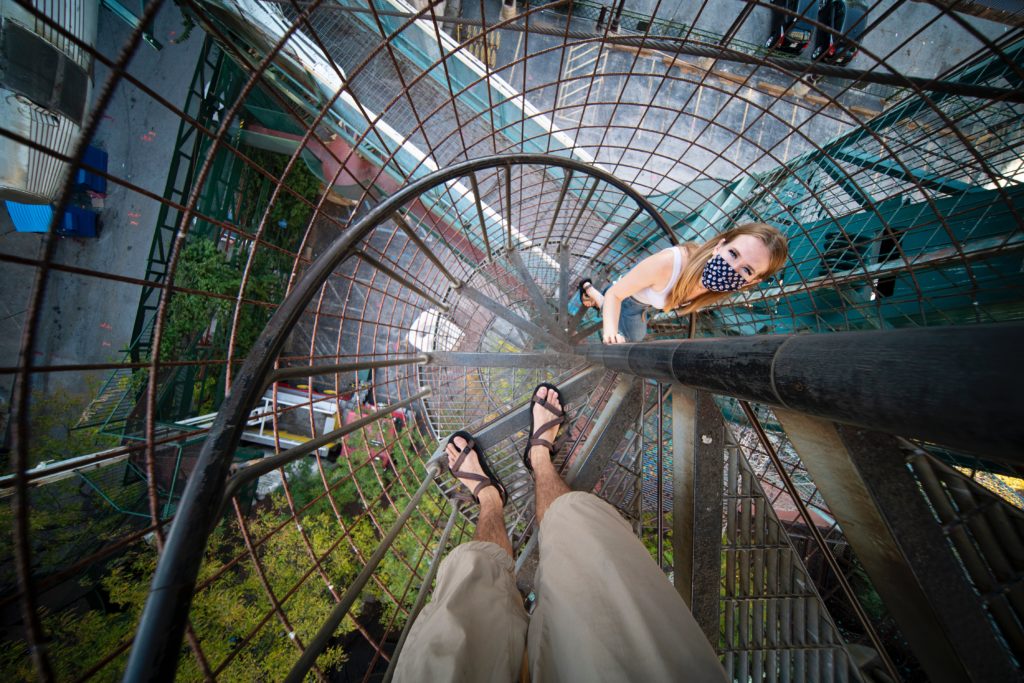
(553,399)
(453,449)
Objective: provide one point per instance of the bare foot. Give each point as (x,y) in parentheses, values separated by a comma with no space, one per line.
(471,464)
(541,416)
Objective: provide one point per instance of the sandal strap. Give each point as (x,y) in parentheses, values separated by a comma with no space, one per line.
(559,412)
(483,480)
(548,425)
(482,485)
(464,453)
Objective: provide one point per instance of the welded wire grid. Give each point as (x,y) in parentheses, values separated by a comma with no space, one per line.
(907,218)
(775,623)
(972,518)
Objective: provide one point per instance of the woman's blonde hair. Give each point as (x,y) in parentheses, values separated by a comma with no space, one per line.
(689,279)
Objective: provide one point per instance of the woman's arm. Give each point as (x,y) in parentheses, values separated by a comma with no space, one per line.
(653,271)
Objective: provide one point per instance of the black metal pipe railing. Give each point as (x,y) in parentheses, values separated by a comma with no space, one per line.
(955,386)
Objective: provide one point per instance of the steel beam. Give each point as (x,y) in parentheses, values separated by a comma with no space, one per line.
(532,329)
(518,419)
(480,212)
(410,232)
(293,371)
(883,380)
(540,302)
(469,359)
(558,206)
(563,287)
(586,331)
(400,279)
(863,477)
(615,419)
(698,442)
(933,181)
(848,184)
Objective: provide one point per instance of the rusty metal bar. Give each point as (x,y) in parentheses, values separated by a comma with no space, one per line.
(661,478)
(421,596)
(508,204)
(424,249)
(400,279)
(563,287)
(558,206)
(298,371)
(479,359)
(480,213)
(323,636)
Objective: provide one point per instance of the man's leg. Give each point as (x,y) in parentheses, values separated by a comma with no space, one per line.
(474,628)
(548,485)
(605,611)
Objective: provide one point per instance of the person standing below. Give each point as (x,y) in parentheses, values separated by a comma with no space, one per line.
(687,277)
(605,611)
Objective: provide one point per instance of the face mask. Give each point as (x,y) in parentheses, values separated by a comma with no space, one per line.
(719,276)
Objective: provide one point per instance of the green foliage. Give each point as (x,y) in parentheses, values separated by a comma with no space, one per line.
(202,266)
(650,536)
(52,426)
(62,522)
(295,212)
(228,613)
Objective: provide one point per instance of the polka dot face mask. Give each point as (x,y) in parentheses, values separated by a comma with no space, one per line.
(719,276)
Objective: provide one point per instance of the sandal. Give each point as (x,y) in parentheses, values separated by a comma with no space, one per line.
(583,293)
(559,419)
(489,478)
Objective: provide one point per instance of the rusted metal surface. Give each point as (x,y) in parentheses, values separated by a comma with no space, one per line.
(863,477)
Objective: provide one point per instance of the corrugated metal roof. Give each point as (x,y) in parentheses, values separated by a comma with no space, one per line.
(30,217)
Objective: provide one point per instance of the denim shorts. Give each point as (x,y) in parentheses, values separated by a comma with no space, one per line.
(632,319)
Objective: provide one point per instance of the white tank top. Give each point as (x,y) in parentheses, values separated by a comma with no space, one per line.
(656,298)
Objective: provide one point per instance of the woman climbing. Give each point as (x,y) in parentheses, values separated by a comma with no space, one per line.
(687,277)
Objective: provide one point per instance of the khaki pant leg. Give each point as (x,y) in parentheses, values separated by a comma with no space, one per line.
(474,628)
(605,611)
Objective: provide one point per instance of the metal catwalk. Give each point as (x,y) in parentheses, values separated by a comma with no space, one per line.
(372,226)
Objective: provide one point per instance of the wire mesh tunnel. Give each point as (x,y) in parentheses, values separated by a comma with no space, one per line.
(368,226)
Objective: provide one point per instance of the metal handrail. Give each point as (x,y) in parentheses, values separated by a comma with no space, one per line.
(881,380)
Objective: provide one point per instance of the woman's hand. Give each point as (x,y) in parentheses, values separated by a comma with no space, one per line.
(613,338)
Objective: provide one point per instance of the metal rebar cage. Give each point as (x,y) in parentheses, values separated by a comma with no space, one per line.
(369,220)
